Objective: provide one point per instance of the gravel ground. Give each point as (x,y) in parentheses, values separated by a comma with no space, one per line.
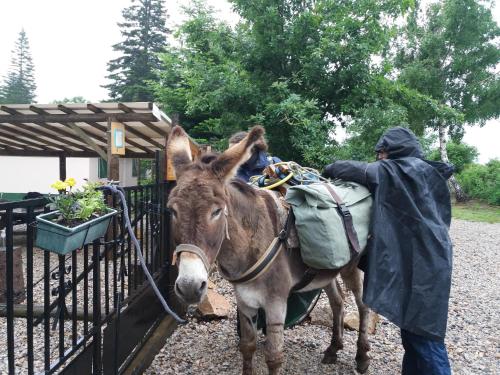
(473,344)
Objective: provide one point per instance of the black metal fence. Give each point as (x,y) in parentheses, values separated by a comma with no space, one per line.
(90,311)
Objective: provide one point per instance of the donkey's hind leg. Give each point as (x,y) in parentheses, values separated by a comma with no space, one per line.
(337,305)
(353,280)
(248,339)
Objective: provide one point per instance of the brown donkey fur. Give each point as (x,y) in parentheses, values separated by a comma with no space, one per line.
(233,224)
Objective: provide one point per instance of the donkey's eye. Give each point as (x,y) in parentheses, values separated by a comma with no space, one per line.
(216,212)
(173,212)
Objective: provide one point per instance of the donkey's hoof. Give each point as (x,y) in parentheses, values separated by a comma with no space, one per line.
(329,357)
(362,365)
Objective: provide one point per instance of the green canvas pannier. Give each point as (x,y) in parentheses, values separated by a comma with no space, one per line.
(323,240)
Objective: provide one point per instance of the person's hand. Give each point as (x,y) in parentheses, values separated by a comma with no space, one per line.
(328,170)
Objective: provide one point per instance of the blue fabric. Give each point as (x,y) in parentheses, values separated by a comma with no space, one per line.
(424,356)
(255,165)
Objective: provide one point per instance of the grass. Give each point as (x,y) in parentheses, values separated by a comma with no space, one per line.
(476,211)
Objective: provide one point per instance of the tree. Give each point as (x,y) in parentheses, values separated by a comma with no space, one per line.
(144,33)
(74,99)
(297,67)
(19,84)
(451,56)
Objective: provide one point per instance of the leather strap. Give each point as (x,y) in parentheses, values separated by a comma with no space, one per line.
(307,278)
(346,217)
(267,258)
(188,248)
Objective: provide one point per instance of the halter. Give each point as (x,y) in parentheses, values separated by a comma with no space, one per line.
(193,249)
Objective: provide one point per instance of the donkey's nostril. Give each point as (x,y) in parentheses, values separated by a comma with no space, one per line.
(203,285)
(178,290)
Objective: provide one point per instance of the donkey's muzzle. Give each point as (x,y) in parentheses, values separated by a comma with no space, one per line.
(191,283)
(189,290)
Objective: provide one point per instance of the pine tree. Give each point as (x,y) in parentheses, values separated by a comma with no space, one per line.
(19,84)
(144,33)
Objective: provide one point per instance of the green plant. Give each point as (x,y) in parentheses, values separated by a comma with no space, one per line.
(482,181)
(460,155)
(77,206)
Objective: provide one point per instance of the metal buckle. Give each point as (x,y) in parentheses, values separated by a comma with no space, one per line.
(282,235)
(344,210)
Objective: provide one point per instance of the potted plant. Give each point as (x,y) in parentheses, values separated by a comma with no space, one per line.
(80,217)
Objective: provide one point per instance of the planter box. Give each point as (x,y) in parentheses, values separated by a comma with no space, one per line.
(62,240)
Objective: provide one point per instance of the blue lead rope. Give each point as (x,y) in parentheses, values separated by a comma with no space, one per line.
(167,308)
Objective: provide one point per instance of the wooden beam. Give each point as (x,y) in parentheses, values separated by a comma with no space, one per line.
(102,127)
(37,110)
(148,124)
(94,109)
(11,111)
(92,123)
(128,128)
(19,146)
(79,117)
(42,125)
(137,133)
(46,133)
(62,167)
(36,138)
(12,137)
(85,136)
(18,150)
(89,141)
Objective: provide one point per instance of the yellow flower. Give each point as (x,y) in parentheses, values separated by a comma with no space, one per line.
(59,185)
(70,181)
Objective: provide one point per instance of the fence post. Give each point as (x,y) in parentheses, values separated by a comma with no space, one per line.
(96,283)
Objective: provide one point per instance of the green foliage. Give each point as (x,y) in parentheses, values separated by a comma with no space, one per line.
(451,56)
(295,128)
(296,67)
(482,181)
(74,99)
(79,206)
(144,35)
(460,155)
(19,84)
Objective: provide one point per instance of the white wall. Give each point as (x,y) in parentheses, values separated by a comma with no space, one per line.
(126,178)
(22,174)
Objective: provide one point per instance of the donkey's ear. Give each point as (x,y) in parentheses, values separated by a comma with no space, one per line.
(227,164)
(178,150)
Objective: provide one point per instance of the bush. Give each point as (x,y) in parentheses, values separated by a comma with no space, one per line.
(460,155)
(482,181)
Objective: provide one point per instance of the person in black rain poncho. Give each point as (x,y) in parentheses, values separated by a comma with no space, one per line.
(257,162)
(408,258)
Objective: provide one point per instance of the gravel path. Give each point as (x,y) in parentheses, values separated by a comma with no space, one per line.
(474,318)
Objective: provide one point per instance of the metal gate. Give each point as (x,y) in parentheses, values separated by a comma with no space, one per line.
(88,312)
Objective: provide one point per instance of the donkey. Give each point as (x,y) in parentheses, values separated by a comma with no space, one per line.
(217,218)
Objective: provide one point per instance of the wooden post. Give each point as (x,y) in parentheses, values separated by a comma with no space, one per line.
(62,167)
(113,160)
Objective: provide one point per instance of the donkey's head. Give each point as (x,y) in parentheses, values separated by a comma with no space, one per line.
(199,207)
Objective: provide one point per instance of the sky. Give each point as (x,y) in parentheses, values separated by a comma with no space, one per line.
(71,41)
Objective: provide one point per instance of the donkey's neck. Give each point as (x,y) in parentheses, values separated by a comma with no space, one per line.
(251,230)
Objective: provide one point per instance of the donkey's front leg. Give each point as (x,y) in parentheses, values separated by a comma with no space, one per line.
(275,320)
(248,329)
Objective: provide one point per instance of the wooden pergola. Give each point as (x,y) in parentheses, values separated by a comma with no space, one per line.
(83,130)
